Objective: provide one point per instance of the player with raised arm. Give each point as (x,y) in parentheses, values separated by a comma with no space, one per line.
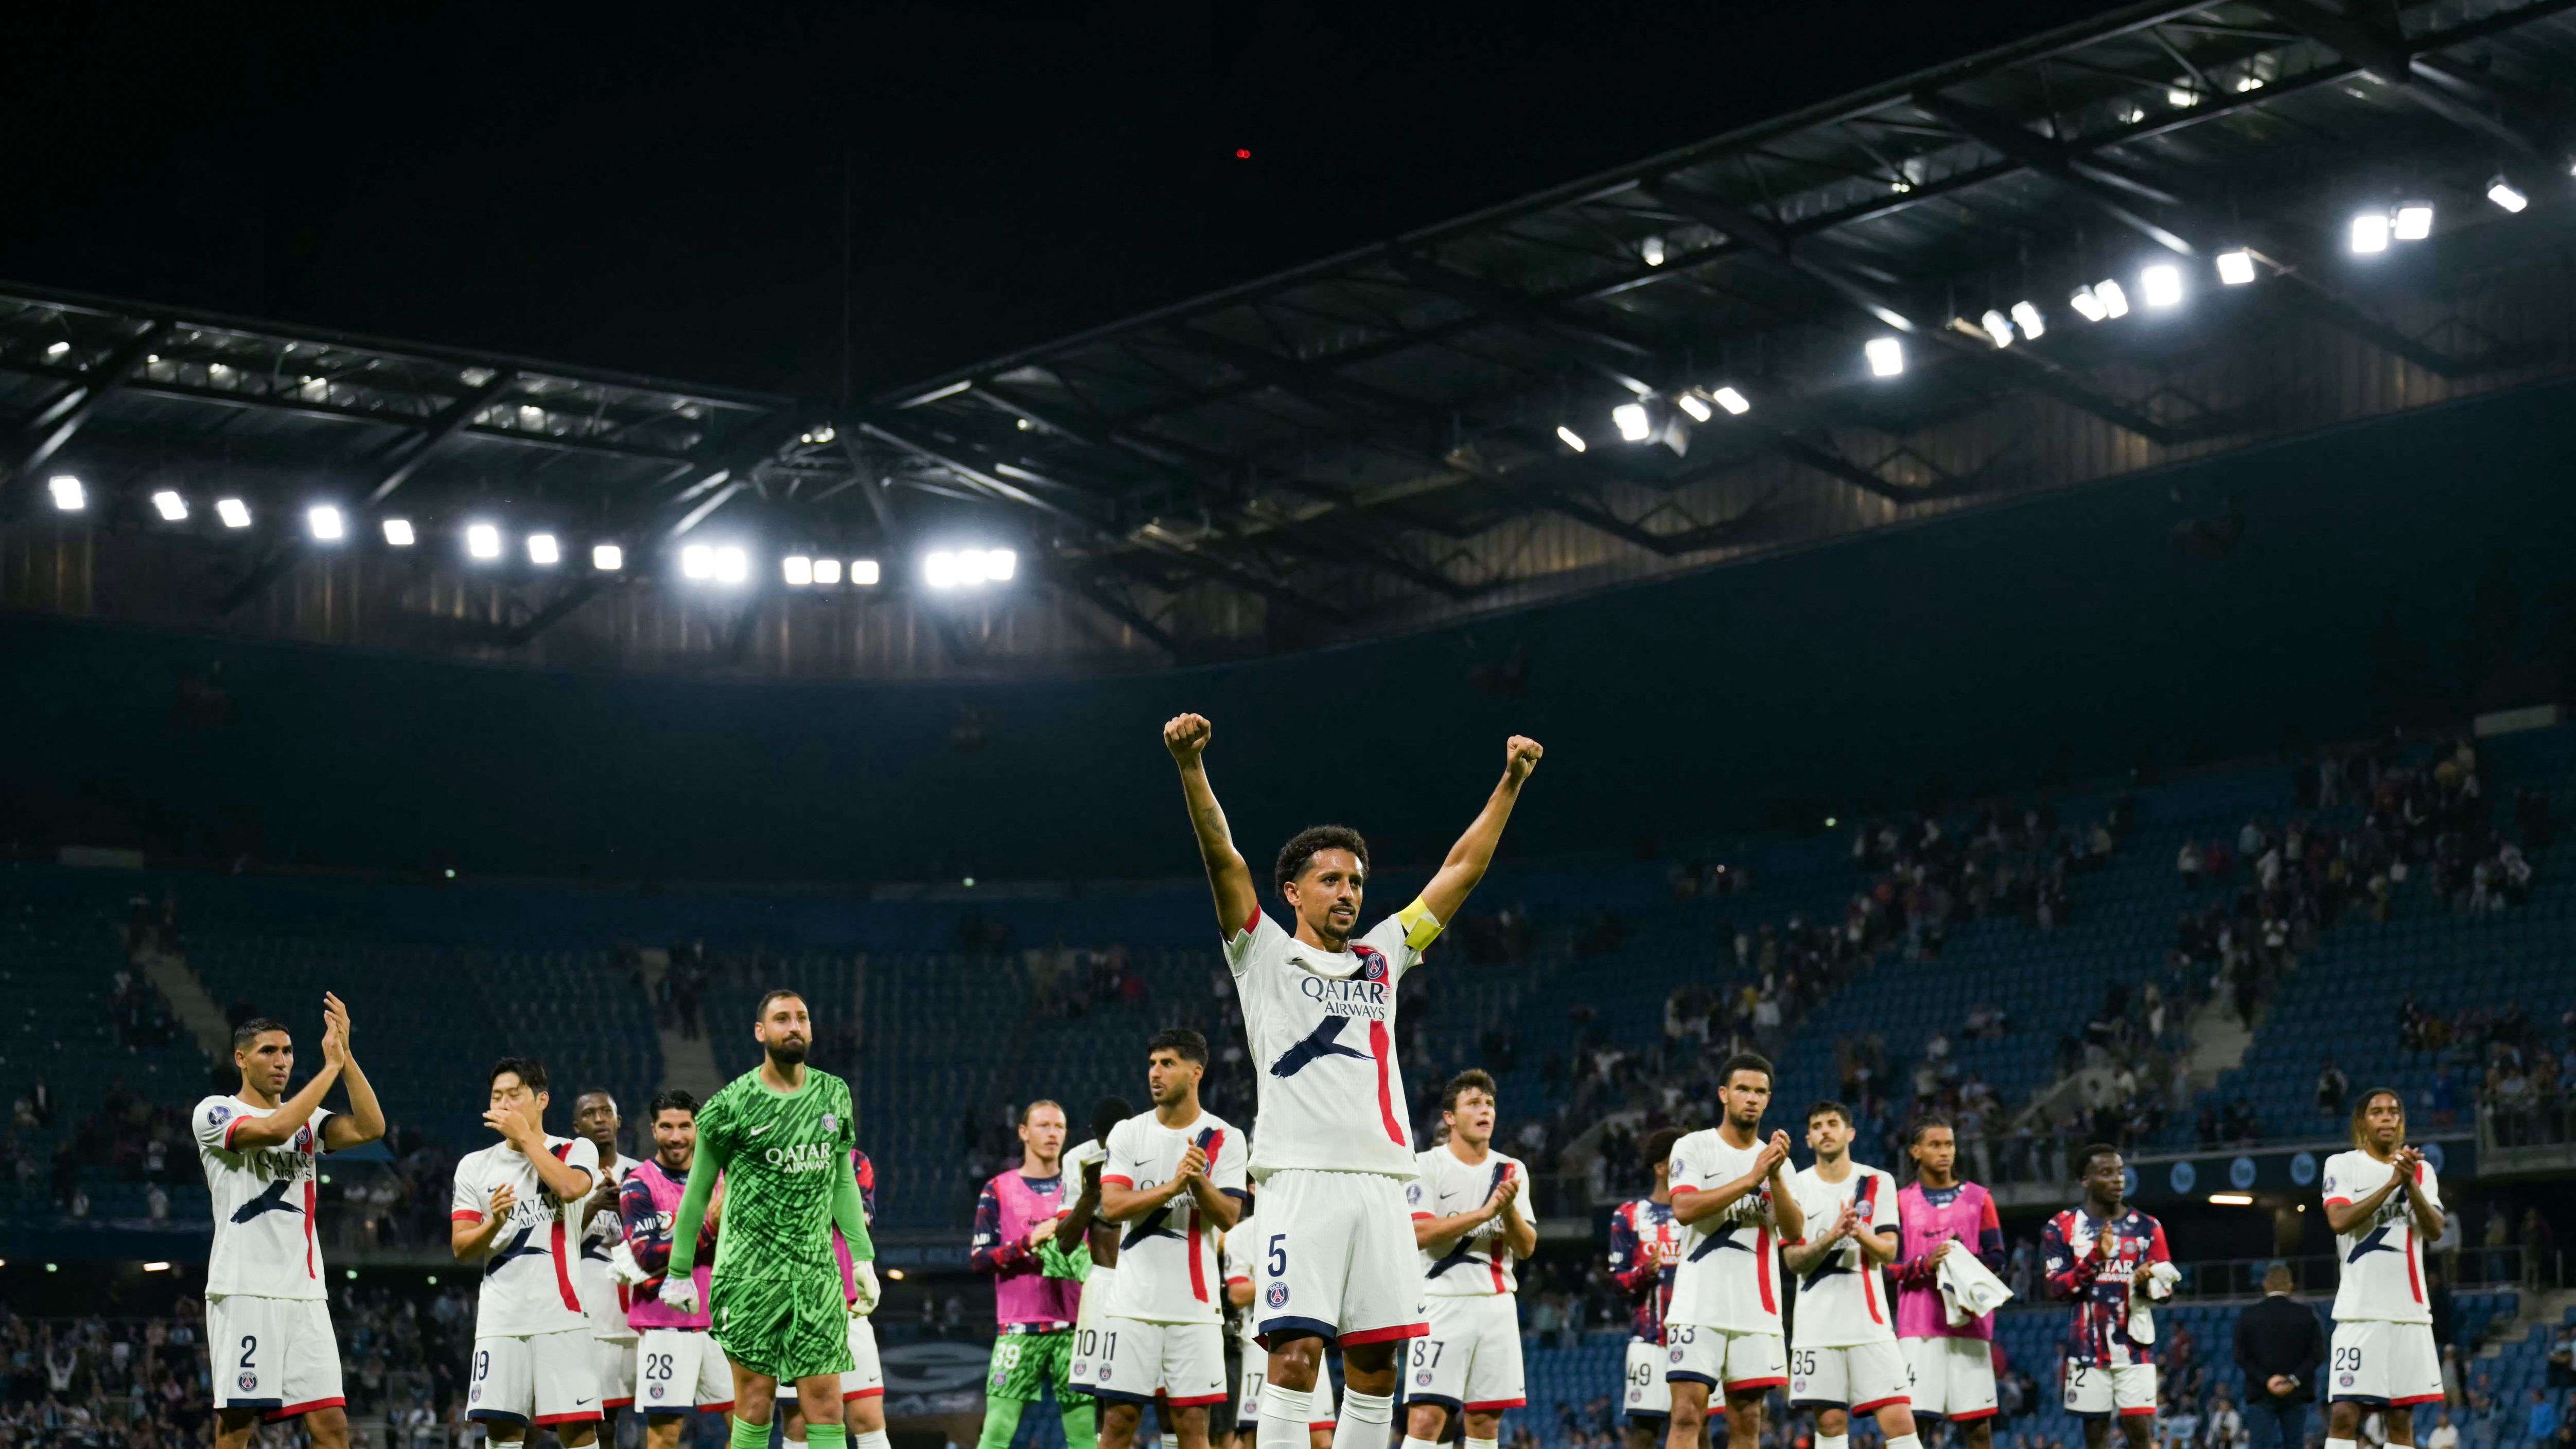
(1843,1358)
(1731,1194)
(268,1314)
(1174,1182)
(2384,1202)
(1331,1151)
(517,1212)
(679,1367)
(1953,1364)
(2110,1260)
(603,1298)
(781,1137)
(1645,1246)
(1471,1219)
(1025,1234)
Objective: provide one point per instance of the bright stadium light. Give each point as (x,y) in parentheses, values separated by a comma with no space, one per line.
(972,567)
(2026,316)
(1651,250)
(1569,437)
(398,532)
(2414,221)
(170,505)
(2502,193)
(797,569)
(2236,268)
(826,571)
(2370,232)
(939,570)
(69,495)
(1000,564)
(1733,401)
(1886,356)
(1998,326)
(1689,402)
(2088,306)
(2115,302)
(732,565)
(2181,98)
(697,561)
(864,572)
(2161,285)
(607,558)
(544,550)
(483,541)
(325,523)
(234,512)
(1631,421)
(58,349)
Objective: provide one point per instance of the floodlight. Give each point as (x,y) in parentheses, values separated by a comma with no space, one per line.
(398,532)
(325,523)
(2249,83)
(1569,437)
(2180,98)
(170,505)
(1733,401)
(2026,316)
(1000,564)
(69,496)
(2115,302)
(2088,306)
(972,567)
(939,570)
(234,512)
(2161,285)
(797,569)
(733,566)
(2236,268)
(2370,232)
(607,558)
(1632,422)
(483,541)
(1652,251)
(1998,326)
(544,550)
(1886,356)
(697,561)
(2414,221)
(2502,193)
(1690,403)
(863,572)
(826,571)
(58,349)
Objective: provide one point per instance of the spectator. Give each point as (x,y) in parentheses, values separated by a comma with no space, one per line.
(2562,1358)
(2540,1424)
(2332,1088)
(2444,1435)
(2279,1347)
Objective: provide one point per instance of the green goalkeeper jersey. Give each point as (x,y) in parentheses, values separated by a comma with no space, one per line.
(785,1157)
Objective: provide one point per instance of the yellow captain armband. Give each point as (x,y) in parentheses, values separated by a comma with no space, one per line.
(1421,928)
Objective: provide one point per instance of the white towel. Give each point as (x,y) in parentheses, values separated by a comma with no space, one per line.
(2159,1279)
(1969,1289)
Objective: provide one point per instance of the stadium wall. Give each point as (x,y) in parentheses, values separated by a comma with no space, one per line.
(2410,567)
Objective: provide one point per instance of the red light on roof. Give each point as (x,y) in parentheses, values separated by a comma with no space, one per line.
(1242,153)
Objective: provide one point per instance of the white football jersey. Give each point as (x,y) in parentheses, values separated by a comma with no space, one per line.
(1238,1257)
(604,1299)
(1841,1300)
(528,1272)
(1167,1259)
(1726,1278)
(1322,1030)
(263,1201)
(1477,1265)
(2383,1263)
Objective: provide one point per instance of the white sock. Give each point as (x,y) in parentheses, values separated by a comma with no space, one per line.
(2343,1444)
(1283,1417)
(1365,1421)
(1411,1443)
(1843,1441)
(873,1439)
(1484,1444)
(786,1438)
(1171,1441)
(1901,1441)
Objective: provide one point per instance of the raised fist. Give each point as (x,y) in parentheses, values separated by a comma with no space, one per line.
(1185,735)
(1520,755)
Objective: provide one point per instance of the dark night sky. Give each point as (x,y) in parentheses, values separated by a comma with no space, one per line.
(662,194)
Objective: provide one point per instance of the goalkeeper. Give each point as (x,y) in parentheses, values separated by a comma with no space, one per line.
(782,1138)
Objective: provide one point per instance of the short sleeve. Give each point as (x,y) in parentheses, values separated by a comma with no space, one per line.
(1260,937)
(1882,1212)
(1231,1172)
(1688,1172)
(1421,1194)
(1124,1163)
(321,1139)
(584,1154)
(213,1122)
(2432,1182)
(1401,937)
(2333,1182)
(466,1204)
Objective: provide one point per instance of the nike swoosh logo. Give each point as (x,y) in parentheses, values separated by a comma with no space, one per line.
(756,1131)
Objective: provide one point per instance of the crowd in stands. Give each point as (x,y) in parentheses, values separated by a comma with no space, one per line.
(97,1383)
(134,1138)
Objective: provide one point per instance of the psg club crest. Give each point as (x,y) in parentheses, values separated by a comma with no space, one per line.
(831,1122)
(1422,1380)
(2347,1381)
(654,1392)
(1102,1374)
(1677,1355)
(1276,1295)
(1372,963)
(219,1114)
(250,1382)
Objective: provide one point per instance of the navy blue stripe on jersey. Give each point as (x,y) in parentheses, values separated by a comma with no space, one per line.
(1323,1041)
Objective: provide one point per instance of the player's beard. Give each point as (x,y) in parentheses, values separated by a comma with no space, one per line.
(787,1051)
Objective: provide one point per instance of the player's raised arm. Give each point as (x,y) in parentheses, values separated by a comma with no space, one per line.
(364,1122)
(1475,849)
(1186,736)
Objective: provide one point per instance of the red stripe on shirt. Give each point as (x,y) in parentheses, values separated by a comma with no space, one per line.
(312,1264)
(1198,1274)
(2414,1276)
(563,1270)
(1869,1295)
(1496,1263)
(1381,1048)
(1762,1271)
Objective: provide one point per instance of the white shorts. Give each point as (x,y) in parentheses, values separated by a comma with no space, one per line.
(1335,1258)
(2094,1390)
(617,1371)
(866,1378)
(1647,1395)
(543,1378)
(2390,1365)
(1953,1378)
(1132,1361)
(679,1371)
(1715,1357)
(277,1355)
(1471,1358)
(1086,1338)
(1861,1377)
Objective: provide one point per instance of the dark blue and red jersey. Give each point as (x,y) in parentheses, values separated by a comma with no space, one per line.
(1645,1244)
(2102,1266)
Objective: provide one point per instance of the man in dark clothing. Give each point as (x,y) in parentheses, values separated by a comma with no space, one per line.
(2280,1346)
